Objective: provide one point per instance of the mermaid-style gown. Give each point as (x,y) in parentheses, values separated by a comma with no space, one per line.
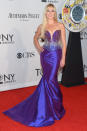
(45,105)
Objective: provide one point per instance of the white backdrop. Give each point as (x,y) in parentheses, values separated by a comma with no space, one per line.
(19,59)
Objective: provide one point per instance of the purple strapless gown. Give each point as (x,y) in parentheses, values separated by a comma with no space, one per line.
(45,105)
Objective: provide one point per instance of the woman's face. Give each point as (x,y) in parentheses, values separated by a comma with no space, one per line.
(50,13)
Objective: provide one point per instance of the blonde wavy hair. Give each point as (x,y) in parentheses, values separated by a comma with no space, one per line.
(44,22)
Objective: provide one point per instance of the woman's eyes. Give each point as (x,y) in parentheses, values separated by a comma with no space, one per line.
(50,11)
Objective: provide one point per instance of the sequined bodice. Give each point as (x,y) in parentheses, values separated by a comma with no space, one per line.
(55,36)
(52,42)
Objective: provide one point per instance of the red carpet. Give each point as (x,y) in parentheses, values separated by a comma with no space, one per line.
(75,103)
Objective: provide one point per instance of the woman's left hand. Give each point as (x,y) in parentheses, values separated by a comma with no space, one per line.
(62,62)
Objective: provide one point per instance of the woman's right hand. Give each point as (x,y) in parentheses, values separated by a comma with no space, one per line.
(40,49)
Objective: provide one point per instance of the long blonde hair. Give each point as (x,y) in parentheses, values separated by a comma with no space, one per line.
(44,22)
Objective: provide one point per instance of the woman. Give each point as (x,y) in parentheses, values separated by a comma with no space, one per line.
(45,106)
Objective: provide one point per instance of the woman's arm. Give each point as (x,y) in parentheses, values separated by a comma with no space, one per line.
(36,37)
(63,39)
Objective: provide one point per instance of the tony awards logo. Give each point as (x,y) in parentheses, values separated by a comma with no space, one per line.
(6,38)
(39,72)
(7,78)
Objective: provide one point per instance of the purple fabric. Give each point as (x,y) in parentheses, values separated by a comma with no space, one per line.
(55,35)
(45,105)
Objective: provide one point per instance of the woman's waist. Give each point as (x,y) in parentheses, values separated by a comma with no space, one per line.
(52,45)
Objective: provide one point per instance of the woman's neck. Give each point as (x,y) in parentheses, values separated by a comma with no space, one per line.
(50,22)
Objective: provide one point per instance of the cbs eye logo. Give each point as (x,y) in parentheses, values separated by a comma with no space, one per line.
(19,55)
(25,55)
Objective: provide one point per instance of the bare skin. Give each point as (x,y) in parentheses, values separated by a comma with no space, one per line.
(51,26)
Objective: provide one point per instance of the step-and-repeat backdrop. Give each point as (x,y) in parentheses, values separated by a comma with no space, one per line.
(19,60)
